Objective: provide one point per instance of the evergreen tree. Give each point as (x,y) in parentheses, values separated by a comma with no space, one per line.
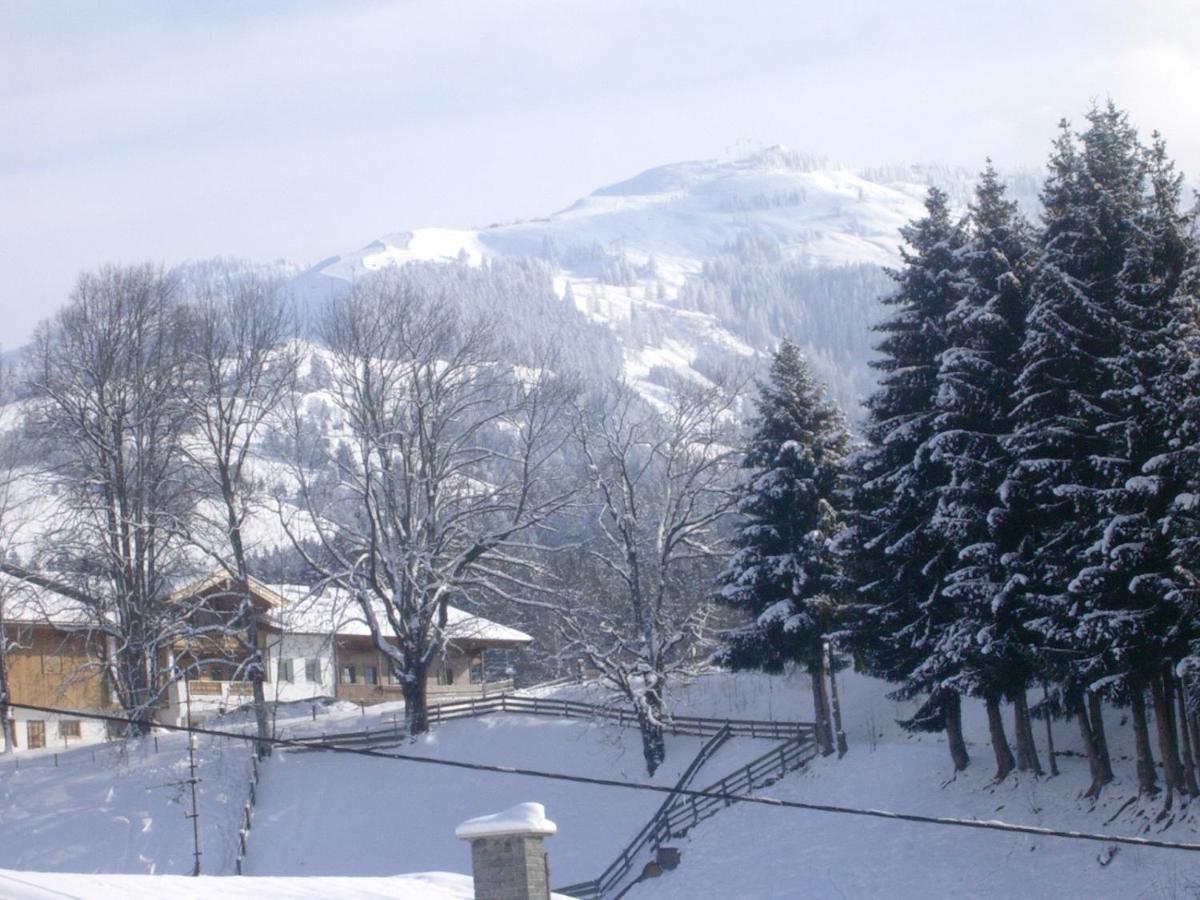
(901,560)
(786,572)
(985,652)
(1063,465)
(1144,630)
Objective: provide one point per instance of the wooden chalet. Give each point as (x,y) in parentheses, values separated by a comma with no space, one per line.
(318,646)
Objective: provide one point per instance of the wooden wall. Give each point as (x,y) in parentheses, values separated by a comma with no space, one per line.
(54,668)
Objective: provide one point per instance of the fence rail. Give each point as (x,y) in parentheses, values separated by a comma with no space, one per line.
(653,832)
(696,726)
(679,814)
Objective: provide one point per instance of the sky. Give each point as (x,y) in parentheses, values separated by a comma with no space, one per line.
(292,129)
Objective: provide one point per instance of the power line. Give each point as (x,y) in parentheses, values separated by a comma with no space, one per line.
(330,747)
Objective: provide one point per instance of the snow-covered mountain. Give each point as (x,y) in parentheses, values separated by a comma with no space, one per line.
(694,264)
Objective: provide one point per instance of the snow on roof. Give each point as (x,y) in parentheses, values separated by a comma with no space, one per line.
(46,885)
(25,602)
(524,818)
(335,611)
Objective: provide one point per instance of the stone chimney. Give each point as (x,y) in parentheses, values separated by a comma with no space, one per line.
(507,856)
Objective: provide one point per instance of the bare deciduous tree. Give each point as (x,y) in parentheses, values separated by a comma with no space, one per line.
(244,370)
(109,377)
(11,636)
(436,476)
(662,476)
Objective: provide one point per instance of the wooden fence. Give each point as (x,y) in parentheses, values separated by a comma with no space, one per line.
(652,832)
(696,726)
(247,814)
(682,812)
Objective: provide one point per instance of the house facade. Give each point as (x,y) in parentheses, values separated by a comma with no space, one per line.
(51,658)
(317,646)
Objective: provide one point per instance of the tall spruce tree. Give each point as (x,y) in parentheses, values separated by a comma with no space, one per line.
(1178,474)
(900,560)
(786,572)
(985,652)
(1144,629)
(1063,463)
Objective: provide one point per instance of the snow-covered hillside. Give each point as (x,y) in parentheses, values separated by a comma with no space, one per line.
(665,258)
(760,853)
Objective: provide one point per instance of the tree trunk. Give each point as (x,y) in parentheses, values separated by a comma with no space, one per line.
(1027,756)
(1049,731)
(1191,720)
(1185,739)
(952,713)
(416,701)
(821,710)
(1096,714)
(8,729)
(1101,775)
(1004,758)
(262,721)
(1147,780)
(649,716)
(1164,721)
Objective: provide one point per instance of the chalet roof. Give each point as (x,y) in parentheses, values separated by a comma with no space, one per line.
(27,603)
(296,609)
(335,611)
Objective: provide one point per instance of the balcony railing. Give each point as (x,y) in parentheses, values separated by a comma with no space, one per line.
(437,693)
(209,692)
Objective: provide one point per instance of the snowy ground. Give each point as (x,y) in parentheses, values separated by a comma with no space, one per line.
(763,853)
(325,814)
(333,816)
(121,807)
(40,886)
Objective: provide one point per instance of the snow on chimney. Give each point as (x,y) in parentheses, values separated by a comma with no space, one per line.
(507,856)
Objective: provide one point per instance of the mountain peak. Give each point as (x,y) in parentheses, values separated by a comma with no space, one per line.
(683,176)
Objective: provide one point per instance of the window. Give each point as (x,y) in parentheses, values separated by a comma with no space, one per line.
(37,734)
(52,665)
(68,728)
(371,674)
(285,671)
(312,670)
(347,675)
(445,675)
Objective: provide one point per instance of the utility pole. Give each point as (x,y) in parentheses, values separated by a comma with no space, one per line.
(839,733)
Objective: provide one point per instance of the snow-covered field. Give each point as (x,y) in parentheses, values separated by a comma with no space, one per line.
(126,811)
(326,814)
(357,821)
